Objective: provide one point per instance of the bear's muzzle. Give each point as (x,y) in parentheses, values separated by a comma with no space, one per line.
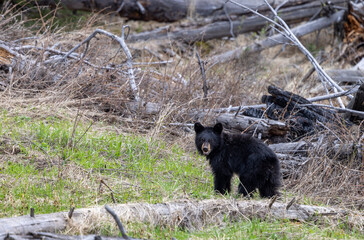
(206,148)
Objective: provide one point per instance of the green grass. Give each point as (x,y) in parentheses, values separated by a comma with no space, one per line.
(253,229)
(136,168)
(57,17)
(48,165)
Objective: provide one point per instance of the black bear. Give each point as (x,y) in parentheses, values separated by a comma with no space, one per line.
(254,162)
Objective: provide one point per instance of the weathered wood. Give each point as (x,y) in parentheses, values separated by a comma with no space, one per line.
(292,148)
(346,75)
(301,116)
(357,103)
(278,39)
(261,106)
(265,127)
(248,24)
(339,151)
(289,101)
(52,236)
(191,214)
(40,223)
(291,166)
(169,10)
(292,156)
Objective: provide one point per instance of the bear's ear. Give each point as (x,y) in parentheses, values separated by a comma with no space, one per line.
(218,128)
(199,127)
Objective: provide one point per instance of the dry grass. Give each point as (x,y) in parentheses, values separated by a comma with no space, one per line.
(334,174)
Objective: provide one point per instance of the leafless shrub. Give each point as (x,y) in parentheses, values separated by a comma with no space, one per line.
(334,174)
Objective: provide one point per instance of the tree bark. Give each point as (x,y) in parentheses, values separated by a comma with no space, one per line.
(266,127)
(170,10)
(183,214)
(343,76)
(51,236)
(278,39)
(223,28)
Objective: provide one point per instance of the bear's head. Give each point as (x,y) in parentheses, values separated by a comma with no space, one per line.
(208,139)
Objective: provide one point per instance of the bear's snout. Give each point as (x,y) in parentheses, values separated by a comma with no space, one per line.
(206,148)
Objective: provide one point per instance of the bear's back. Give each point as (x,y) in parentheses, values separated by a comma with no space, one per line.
(242,145)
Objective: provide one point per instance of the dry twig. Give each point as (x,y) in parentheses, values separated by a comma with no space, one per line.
(121,41)
(202,68)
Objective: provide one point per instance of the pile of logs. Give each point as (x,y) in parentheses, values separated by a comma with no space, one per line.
(284,105)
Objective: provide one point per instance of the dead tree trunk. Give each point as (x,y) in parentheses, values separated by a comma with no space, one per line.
(278,39)
(265,127)
(184,214)
(223,28)
(346,76)
(301,116)
(52,236)
(170,10)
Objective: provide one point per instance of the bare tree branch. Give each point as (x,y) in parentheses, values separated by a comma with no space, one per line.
(287,32)
(121,41)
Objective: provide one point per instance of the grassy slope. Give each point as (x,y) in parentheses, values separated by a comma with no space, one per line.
(44,166)
(49,170)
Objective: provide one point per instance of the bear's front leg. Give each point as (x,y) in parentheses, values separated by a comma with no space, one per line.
(222,182)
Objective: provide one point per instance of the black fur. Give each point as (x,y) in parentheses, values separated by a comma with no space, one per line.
(253,161)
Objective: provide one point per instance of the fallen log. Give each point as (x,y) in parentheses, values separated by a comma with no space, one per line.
(291,148)
(184,214)
(299,113)
(169,10)
(344,76)
(265,127)
(278,39)
(295,155)
(158,10)
(290,101)
(337,151)
(261,106)
(292,156)
(52,236)
(52,222)
(223,28)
